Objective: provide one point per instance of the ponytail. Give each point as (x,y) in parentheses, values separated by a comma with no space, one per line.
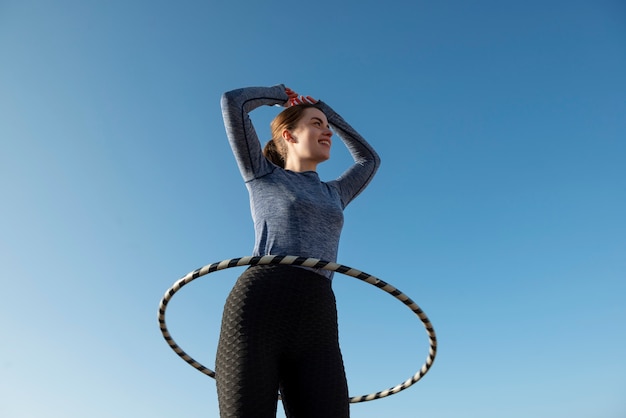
(272,153)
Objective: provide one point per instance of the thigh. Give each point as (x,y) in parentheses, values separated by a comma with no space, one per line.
(314,383)
(248,351)
(316,388)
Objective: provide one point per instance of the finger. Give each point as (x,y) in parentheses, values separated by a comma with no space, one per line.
(307,99)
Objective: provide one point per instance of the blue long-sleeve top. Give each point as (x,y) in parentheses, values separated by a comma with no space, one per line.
(294,213)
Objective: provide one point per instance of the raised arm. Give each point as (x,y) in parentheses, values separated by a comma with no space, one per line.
(243,139)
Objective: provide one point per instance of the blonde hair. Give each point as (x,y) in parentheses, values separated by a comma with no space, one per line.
(276,149)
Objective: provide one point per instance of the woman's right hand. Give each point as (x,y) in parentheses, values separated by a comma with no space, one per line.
(292,97)
(295,99)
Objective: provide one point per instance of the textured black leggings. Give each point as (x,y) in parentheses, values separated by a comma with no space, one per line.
(279,330)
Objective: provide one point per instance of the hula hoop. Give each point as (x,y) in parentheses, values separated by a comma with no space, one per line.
(307,262)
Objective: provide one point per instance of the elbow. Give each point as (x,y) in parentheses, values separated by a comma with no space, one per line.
(231,98)
(371,164)
(375,163)
(375,160)
(227,99)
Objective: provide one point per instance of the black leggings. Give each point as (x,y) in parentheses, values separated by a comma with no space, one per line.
(279,331)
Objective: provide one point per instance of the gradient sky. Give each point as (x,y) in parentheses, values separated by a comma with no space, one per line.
(499,206)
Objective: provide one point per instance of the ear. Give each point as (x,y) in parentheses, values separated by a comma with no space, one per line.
(288,137)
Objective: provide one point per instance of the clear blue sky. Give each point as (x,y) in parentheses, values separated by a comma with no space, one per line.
(499,207)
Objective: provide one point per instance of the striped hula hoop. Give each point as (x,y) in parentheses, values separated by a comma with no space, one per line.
(306,262)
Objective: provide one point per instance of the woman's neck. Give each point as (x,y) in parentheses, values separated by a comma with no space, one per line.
(300,166)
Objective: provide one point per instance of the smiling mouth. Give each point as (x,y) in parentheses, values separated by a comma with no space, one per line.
(324,142)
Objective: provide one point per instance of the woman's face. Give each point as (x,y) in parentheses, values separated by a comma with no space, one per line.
(310,141)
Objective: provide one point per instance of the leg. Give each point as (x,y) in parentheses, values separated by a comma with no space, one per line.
(313,383)
(247,355)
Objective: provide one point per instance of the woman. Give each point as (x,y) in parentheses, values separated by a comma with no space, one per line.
(279,328)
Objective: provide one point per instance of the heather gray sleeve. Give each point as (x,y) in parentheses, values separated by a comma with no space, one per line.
(366,160)
(236,105)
